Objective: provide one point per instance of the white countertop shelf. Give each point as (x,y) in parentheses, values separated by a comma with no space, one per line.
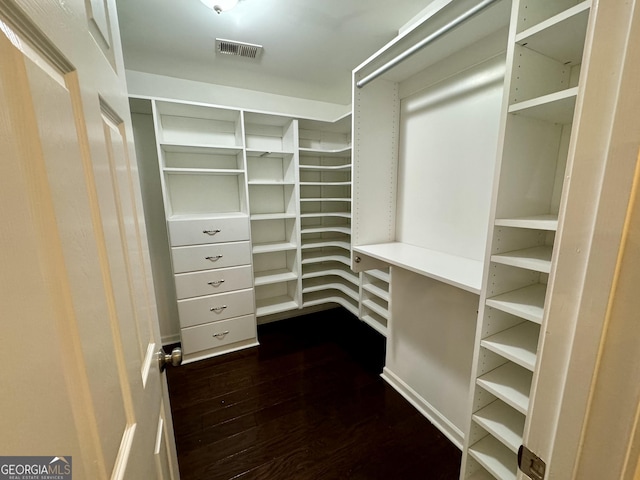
(460,272)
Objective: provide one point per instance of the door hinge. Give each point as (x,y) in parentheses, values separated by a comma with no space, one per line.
(530,464)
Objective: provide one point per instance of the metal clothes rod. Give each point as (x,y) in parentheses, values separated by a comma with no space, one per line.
(425,41)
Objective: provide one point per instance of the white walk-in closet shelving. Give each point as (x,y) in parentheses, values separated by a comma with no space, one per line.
(256,221)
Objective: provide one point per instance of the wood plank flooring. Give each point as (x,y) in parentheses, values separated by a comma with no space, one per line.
(307,404)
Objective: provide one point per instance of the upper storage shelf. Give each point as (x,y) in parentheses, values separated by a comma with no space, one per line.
(548,59)
(560,37)
(325,139)
(269,133)
(463,273)
(536,15)
(201,155)
(196,125)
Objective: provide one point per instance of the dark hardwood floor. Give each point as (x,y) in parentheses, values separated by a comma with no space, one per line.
(307,404)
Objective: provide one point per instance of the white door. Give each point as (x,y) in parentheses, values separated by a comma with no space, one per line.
(79,329)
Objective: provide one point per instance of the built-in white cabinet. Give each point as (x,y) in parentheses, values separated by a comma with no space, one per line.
(203,171)
(546,46)
(464,153)
(436,214)
(257,219)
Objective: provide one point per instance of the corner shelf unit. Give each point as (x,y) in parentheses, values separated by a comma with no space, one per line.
(543,72)
(325,214)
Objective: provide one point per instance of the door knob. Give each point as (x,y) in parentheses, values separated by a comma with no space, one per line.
(174,358)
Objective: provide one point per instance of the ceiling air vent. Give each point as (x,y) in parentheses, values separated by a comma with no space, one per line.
(239,49)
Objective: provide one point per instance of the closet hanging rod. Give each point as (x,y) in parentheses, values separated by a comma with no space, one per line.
(425,41)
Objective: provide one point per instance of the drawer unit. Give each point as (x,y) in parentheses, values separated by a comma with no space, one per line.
(200,310)
(207,257)
(202,162)
(212,230)
(218,334)
(208,282)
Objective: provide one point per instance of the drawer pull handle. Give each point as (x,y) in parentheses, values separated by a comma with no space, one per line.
(216,283)
(214,258)
(222,334)
(217,309)
(211,232)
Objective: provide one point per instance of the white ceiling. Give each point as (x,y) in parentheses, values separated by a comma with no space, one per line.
(310,46)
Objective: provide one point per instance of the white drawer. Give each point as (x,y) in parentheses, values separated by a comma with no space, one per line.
(218,334)
(207,257)
(208,282)
(200,310)
(214,230)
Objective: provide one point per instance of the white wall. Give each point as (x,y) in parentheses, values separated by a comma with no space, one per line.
(150,85)
(159,252)
(430,348)
(448,143)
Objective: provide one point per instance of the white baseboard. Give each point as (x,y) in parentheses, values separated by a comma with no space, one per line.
(452,432)
(276,317)
(170,339)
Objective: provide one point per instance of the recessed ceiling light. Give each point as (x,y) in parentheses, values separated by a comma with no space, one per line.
(220,6)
